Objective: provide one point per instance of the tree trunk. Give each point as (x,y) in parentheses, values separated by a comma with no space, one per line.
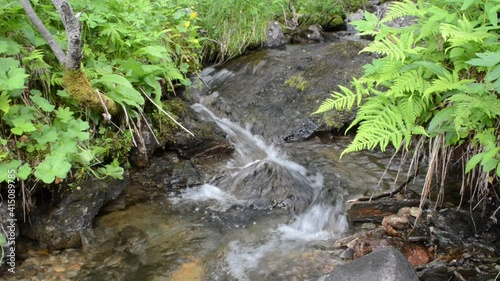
(75,80)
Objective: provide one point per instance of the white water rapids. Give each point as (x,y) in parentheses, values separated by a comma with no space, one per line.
(320,220)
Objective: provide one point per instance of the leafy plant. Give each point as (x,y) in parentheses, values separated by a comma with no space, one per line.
(436,80)
(133,51)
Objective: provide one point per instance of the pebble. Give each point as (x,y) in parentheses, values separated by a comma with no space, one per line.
(347,254)
(368,225)
(59,269)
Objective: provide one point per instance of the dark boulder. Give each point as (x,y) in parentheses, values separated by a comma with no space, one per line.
(387,264)
(59,227)
(277,90)
(206,138)
(275,36)
(266,184)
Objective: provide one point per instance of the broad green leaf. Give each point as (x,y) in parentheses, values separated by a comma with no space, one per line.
(64,114)
(466,4)
(22,125)
(489,155)
(66,146)
(489,165)
(498,170)
(24,171)
(419,130)
(45,135)
(485,59)
(85,157)
(9,47)
(5,169)
(473,162)
(157,51)
(4,102)
(493,74)
(492,12)
(112,170)
(125,95)
(3,241)
(78,129)
(115,79)
(52,167)
(44,104)
(62,94)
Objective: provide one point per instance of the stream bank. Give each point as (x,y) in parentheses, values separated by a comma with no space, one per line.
(174,222)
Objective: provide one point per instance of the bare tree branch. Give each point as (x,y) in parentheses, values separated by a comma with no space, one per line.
(73,33)
(30,12)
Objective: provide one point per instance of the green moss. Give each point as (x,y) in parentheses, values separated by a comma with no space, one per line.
(78,86)
(336,119)
(297,81)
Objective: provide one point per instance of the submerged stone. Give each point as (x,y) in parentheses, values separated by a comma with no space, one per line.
(267,184)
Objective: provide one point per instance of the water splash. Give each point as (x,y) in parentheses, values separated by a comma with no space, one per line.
(258,176)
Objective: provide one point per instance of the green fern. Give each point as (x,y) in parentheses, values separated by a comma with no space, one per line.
(343,100)
(402,9)
(447,82)
(381,122)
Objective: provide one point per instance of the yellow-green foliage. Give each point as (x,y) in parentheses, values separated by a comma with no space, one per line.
(297,81)
(437,78)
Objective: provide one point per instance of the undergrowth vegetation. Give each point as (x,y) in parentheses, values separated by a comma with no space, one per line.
(433,91)
(133,51)
(232,26)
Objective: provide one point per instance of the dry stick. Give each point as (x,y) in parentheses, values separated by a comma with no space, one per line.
(128,124)
(149,127)
(107,115)
(387,194)
(166,113)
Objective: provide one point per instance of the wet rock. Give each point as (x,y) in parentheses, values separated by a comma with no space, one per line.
(185,174)
(379,9)
(208,139)
(416,254)
(434,271)
(275,36)
(251,89)
(394,224)
(266,185)
(146,144)
(375,211)
(59,227)
(387,264)
(347,254)
(456,223)
(313,34)
(410,211)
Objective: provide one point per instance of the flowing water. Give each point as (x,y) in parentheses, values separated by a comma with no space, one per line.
(268,212)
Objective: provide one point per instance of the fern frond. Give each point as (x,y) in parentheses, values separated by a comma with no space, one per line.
(386,47)
(345,99)
(472,109)
(462,33)
(409,82)
(339,101)
(402,9)
(381,122)
(394,47)
(447,82)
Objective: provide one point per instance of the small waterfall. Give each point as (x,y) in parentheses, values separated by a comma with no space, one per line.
(263,177)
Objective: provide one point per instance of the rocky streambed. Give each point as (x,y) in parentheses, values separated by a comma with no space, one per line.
(263,201)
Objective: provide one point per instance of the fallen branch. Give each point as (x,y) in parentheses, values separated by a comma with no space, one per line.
(387,194)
